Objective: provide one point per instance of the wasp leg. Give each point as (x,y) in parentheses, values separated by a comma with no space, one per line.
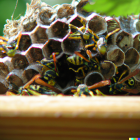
(110,33)
(100,84)
(41,82)
(3,38)
(99,93)
(9,93)
(89,45)
(32,80)
(80,55)
(34,92)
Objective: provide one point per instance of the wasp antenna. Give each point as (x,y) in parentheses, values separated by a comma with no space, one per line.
(135,72)
(122,75)
(14,10)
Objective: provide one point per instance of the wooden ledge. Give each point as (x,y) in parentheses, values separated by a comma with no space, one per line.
(66,118)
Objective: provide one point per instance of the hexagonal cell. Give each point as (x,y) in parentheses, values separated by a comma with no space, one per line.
(127,23)
(108,69)
(46,15)
(3,85)
(69,46)
(80,9)
(32,70)
(5,66)
(93,78)
(123,40)
(52,46)
(77,20)
(112,24)
(136,42)
(25,42)
(28,24)
(39,34)
(34,53)
(16,78)
(115,54)
(97,24)
(65,10)
(19,61)
(131,57)
(58,29)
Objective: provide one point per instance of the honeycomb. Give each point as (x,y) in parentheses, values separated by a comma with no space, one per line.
(65,50)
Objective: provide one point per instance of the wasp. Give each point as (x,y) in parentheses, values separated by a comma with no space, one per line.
(45,79)
(84,90)
(91,40)
(36,90)
(8,47)
(81,66)
(119,85)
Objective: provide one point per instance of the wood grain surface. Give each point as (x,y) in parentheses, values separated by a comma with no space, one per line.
(69,118)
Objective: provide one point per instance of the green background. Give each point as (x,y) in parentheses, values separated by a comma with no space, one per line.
(7,7)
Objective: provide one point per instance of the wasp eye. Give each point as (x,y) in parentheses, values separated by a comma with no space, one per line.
(131,82)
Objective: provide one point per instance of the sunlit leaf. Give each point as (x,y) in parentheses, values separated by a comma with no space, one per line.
(115,7)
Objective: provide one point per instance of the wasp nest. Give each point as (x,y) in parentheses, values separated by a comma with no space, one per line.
(65,50)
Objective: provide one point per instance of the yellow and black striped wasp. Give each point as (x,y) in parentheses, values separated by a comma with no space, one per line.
(40,81)
(118,85)
(9,47)
(81,66)
(92,41)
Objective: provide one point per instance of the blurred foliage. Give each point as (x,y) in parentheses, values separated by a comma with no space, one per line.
(7,7)
(114,7)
